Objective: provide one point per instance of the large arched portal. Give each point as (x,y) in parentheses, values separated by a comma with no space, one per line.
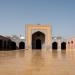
(38,40)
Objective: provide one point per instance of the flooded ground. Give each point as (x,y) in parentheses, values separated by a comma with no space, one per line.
(37,62)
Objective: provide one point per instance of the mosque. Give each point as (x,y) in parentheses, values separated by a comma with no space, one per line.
(36,37)
(40,37)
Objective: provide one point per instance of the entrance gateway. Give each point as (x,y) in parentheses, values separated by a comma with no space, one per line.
(38,36)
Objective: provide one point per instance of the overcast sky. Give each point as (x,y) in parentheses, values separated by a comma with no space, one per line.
(14,14)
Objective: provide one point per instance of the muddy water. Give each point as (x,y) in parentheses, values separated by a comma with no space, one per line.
(37,62)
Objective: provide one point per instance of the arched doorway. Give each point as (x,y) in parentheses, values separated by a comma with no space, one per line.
(21,45)
(38,40)
(54,45)
(63,45)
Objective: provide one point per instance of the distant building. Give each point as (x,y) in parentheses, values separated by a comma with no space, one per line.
(4,41)
(11,42)
(59,41)
(17,40)
(71,43)
(14,38)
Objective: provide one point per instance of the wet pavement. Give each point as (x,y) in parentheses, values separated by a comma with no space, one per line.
(37,62)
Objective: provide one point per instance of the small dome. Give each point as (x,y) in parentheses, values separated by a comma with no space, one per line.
(22,37)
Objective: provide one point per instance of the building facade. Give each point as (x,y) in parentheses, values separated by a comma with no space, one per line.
(38,36)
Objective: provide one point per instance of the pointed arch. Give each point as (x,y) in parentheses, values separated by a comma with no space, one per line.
(38,39)
(54,45)
(63,45)
(21,45)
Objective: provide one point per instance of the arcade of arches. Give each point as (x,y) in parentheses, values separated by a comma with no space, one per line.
(8,44)
(40,39)
(38,42)
(55,45)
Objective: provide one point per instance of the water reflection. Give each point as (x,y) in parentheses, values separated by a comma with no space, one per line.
(8,54)
(37,62)
(63,53)
(21,52)
(37,57)
(54,53)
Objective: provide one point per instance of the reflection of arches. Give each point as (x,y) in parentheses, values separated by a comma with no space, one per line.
(38,44)
(38,40)
(13,45)
(54,45)
(1,44)
(21,45)
(63,45)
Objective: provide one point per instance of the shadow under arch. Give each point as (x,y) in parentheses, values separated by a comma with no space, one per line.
(5,44)
(38,44)
(13,45)
(54,45)
(8,45)
(38,40)
(1,44)
(63,45)
(21,45)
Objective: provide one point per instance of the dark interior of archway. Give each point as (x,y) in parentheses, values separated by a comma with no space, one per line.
(13,45)
(63,46)
(54,45)
(5,45)
(1,42)
(38,44)
(8,44)
(21,45)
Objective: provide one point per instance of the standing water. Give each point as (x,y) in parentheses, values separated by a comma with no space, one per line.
(37,62)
